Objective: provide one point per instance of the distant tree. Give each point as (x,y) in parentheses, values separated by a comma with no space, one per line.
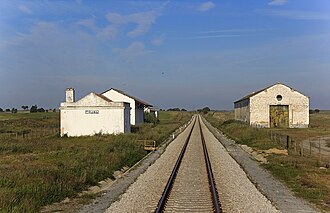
(1,110)
(33,109)
(13,110)
(54,110)
(46,110)
(7,110)
(174,109)
(206,110)
(25,107)
(41,110)
(317,110)
(184,110)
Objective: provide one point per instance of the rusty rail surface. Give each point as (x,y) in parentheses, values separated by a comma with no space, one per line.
(215,199)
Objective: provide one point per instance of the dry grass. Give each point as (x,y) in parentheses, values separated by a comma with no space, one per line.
(38,171)
(302,174)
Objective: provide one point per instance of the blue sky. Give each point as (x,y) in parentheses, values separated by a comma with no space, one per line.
(186,54)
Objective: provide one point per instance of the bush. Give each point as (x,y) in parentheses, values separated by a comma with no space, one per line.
(34,109)
(150,118)
(205,110)
(174,109)
(41,110)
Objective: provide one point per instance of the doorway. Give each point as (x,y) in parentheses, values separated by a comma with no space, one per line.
(279,116)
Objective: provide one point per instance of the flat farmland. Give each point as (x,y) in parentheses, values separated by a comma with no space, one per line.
(37,167)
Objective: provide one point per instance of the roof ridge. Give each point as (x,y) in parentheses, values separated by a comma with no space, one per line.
(124,93)
(259,91)
(103,97)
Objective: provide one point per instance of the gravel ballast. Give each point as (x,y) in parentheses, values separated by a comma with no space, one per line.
(143,195)
(236,192)
(243,185)
(274,190)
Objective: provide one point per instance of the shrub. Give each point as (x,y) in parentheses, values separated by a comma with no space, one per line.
(41,110)
(34,109)
(150,118)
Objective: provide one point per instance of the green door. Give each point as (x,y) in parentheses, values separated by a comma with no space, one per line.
(279,116)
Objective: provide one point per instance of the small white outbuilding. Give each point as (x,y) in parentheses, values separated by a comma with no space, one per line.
(152,110)
(93,114)
(275,106)
(137,105)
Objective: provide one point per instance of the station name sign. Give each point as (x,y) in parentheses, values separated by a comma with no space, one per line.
(91,112)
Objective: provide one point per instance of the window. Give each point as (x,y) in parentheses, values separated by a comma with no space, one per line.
(279,97)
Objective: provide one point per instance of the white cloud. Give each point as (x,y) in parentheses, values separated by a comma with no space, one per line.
(108,32)
(296,14)
(136,49)
(89,23)
(158,41)
(116,18)
(24,9)
(206,6)
(50,48)
(143,20)
(277,2)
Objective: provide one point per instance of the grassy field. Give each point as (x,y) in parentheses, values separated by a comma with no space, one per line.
(300,173)
(38,171)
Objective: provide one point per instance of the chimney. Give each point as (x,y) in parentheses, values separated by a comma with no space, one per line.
(69,93)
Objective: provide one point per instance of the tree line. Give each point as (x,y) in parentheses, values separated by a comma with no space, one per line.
(33,109)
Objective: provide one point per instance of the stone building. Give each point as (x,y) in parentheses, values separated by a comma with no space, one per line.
(137,105)
(275,106)
(93,114)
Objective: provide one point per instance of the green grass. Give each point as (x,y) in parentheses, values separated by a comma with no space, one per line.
(36,172)
(28,121)
(301,174)
(26,114)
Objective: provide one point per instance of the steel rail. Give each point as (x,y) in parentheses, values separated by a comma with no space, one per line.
(169,185)
(213,189)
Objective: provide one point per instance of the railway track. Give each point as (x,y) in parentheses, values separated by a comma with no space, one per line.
(191,187)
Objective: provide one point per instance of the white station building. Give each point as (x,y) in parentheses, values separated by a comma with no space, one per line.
(93,114)
(275,106)
(137,105)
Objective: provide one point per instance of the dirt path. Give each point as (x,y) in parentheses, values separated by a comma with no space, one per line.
(317,145)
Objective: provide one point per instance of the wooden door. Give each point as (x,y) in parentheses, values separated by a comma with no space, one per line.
(279,116)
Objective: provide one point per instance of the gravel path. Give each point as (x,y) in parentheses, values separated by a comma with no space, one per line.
(144,194)
(191,191)
(317,145)
(236,192)
(119,186)
(274,190)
